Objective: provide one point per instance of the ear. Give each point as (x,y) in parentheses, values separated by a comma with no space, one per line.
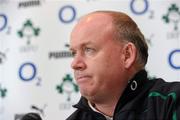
(129,53)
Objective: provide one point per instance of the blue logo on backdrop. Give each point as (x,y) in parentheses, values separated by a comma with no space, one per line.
(67,14)
(22,69)
(171,61)
(134,7)
(4,20)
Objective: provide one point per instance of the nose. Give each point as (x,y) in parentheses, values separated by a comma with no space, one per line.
(78,63)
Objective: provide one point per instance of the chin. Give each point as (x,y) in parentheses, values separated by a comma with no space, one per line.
(89,96)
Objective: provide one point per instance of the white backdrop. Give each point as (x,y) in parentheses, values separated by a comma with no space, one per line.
(35,73)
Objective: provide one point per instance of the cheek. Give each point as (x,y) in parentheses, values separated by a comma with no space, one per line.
(105,65)
(99,65)
(111,67)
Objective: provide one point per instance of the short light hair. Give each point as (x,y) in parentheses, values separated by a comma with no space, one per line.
(127,30)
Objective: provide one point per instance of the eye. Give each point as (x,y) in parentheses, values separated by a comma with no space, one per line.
(89,50)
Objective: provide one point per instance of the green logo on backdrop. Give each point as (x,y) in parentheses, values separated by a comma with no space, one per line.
(67,86)
(172,16)
(28,31)
(3,92)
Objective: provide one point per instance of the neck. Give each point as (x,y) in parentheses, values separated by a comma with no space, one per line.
(106,105)
(107,109)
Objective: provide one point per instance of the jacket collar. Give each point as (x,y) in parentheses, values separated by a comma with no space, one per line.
(135,90)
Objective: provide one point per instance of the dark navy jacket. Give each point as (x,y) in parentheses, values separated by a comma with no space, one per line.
(143,99)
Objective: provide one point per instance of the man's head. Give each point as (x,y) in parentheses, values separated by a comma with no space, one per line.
(127,30)
(107,50)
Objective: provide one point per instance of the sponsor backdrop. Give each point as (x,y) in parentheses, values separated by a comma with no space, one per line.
(35,73)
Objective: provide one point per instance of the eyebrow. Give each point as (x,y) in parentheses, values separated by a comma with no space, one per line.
(82,44)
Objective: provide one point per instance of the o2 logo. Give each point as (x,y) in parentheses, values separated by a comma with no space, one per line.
(67,14)
(3,21)
(136,4)
(172,55)
(27,71)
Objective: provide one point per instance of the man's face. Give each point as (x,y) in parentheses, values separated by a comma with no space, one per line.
(97,63)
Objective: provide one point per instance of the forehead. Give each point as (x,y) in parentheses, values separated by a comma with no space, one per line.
(92,29)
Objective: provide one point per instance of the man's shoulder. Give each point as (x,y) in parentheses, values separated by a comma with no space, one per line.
(164,88)
(84,115)
(82,110)
(73,116)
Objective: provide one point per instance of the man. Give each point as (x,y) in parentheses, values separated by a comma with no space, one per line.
(110,54)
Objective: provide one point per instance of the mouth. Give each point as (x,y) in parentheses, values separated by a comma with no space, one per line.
(81,79)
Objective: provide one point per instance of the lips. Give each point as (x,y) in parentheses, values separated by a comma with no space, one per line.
(82,78)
